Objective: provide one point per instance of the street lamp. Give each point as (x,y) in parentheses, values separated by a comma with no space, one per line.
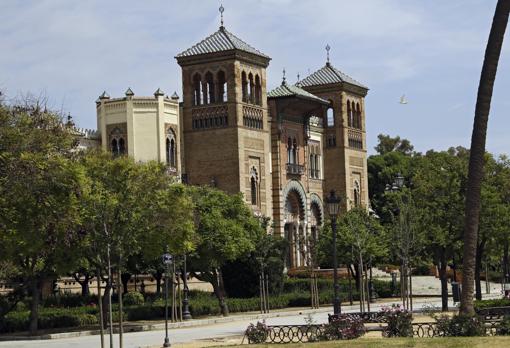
(186,315)
(167,260)
(333,204)
(399,181)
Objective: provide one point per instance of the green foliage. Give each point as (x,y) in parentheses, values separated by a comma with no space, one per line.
(360,237)
(225,225)
(500,302)
(241,276)
(460,325)
(69,300)
(398,322)
(48,319)
(503,327)
(133,298)
(388,144)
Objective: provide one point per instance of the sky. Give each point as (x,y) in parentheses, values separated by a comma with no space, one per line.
(432,51)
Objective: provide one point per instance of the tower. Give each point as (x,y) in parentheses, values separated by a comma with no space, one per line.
(225,123)
(345,153)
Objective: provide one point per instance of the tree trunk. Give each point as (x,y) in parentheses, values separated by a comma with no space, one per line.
(477,152)
(478,269)
(106,307)
(83,283)
(505,261)
(158,276)
(125,277)
(34,306)
(215,278)
(357,277)
(443,276)
(221,286)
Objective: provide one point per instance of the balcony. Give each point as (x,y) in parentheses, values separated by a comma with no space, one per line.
(295,169)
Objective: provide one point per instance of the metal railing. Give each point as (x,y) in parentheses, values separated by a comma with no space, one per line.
(313,332)
(295,169)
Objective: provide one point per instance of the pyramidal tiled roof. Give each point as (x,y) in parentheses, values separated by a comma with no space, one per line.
(221,40)
(285,90)
(328,74)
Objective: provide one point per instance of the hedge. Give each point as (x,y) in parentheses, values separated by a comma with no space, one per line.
(48,319)
(501,302)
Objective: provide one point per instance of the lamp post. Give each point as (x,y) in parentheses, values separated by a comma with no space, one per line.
(333,204)
(167,260)
(186,315)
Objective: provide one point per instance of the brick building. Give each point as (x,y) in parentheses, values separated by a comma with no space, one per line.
(285,149)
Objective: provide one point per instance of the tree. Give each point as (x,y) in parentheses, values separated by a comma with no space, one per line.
(407,239)
(40,188)
(494,214)
(388,144)
(241,276)
(132,209)
(438,192)
(382,170)
(361,240)
(226,229)
(477,153)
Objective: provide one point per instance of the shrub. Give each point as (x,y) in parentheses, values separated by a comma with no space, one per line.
(133,298)
(399,321)
(257,333)
(503,327)
(460,325)
(69,300)
(342,327)
(501,302)
(48,319)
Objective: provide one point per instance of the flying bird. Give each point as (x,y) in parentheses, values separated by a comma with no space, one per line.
(403,99)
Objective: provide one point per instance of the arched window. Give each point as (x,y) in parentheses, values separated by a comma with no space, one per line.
(171,149)
(317,167)
(254,186)
(356,194)
(295,152)
(115,147)
(244,87)
(289,151)
(358,116)
(122,146)
(253,191)
(349,114)
(209,84)
(352,115)
(117,142)
(251,89)
(258,91)
(197,89)
(330,116)
(222,87)
(312,165)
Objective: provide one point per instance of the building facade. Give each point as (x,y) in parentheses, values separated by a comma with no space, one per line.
(284,150)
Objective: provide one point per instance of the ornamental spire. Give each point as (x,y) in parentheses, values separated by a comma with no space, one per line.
(284,82)
(221,9)
(328,48)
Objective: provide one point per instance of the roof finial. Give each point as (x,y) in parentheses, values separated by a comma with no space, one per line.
(298,77)
(284,82)
(327,53)
(221,9)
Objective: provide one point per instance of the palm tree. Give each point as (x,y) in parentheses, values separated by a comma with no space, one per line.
(476,158)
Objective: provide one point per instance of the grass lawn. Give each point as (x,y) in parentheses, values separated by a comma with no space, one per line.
(440,342)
